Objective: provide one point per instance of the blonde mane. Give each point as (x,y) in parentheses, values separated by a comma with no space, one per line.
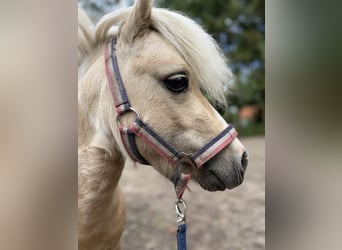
(198,49)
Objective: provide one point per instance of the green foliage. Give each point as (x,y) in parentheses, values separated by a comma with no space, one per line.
(256,129)
(238,26)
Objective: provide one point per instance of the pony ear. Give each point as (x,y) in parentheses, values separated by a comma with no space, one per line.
(138,22)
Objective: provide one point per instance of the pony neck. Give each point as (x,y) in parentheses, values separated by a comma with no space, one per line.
(96,120)
(100,163)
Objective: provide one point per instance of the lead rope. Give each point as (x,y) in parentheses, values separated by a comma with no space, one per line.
(181,208)
(181,181)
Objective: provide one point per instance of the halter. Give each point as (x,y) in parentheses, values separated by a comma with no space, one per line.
(149,136)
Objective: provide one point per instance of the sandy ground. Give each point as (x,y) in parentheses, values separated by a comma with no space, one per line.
(232,220)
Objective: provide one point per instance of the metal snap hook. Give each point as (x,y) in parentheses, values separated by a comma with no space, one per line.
(181,208)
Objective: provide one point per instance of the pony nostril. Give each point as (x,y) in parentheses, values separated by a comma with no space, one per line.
(244,160)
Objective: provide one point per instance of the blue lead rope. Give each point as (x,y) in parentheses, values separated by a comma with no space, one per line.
(181,237)
(181,232)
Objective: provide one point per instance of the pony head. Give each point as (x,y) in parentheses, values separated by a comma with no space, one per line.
(166,62)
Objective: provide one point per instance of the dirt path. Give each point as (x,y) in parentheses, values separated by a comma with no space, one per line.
(232,220)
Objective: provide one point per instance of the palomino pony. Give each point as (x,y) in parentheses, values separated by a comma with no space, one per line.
(142,72)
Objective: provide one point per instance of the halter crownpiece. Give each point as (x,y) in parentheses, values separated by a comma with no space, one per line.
(149,136)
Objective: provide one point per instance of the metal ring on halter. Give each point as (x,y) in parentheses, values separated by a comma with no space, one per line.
(130,109)
(181,212)
(185,161)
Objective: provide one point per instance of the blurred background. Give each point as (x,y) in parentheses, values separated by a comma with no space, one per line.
(38,136)
(239,29)
(229,220)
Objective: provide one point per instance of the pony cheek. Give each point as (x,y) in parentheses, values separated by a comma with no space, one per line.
(155,160)
(164,168)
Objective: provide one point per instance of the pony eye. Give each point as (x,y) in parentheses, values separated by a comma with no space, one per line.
(177,83)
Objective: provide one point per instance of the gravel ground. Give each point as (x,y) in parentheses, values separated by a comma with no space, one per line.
(232,220)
